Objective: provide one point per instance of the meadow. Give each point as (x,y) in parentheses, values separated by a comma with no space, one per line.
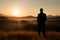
(12,29)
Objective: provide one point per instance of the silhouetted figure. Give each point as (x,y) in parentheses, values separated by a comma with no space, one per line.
(41,19)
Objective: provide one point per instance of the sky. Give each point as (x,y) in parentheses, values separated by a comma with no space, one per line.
(29,7)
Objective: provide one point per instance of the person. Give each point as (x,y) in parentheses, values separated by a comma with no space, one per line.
(41,19)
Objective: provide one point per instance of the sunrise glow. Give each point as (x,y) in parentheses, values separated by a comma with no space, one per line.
(21,8)
(16,13)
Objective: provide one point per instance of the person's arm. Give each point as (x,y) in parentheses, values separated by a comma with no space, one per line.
(45,17)
(38,18)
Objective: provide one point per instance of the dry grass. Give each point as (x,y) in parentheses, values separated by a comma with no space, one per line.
(28,35)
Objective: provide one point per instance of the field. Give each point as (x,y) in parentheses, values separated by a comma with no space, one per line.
(12,29)
(28,35)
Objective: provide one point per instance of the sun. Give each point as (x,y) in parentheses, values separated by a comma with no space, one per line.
(16,12)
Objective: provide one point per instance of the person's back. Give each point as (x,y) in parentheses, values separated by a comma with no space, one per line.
(41,22)
(41,18)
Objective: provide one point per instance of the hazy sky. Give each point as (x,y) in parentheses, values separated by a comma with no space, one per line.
(30,7)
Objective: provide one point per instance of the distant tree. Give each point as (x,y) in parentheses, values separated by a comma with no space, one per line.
(28,26)
(24,21)
(3,21)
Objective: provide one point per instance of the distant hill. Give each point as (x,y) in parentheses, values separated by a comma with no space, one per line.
(49,17)
(53,17)
(30,17)
(23,17)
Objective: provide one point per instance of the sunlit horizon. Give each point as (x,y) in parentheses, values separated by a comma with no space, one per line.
(21,8)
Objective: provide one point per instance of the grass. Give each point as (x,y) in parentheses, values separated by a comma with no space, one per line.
(28,35)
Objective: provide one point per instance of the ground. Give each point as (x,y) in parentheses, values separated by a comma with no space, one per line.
(28,35)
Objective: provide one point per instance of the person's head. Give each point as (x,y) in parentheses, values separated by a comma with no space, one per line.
(41,10)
